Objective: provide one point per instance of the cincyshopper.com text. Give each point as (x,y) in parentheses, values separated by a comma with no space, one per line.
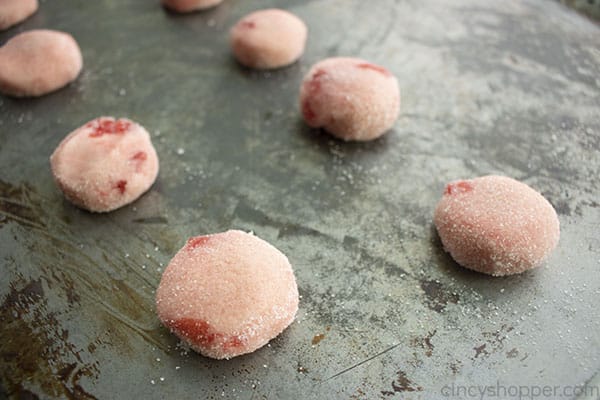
(522,392)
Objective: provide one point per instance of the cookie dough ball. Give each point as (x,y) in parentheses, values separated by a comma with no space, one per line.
(185,6)
(105,164)
(37,62)
(227,294)
(350,98)
(268,39)
(496,225)
(14,11)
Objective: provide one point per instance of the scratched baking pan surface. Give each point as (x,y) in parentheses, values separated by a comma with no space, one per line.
(509,87)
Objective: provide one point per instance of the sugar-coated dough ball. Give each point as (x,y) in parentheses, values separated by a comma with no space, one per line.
(496,225)
(268,39)
(105,164)
(14,11)
(37,62)
(350,98)
(227,294)
(184,6)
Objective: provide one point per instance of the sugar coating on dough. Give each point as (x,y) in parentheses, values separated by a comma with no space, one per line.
(105,164)
(350,98)
(37,62)
(14,11)
(496,225)
(268,39)
(184,6)
(227,294)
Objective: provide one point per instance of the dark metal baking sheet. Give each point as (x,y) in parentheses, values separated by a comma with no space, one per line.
(509,87)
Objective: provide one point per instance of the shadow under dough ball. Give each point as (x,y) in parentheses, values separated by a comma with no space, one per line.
(185,6)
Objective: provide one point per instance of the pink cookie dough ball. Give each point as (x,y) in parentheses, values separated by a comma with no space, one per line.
(496,225)
(14,11)
(37,62)
(350,98)
(268,39)
(185,6)
(227,294)
(105,164)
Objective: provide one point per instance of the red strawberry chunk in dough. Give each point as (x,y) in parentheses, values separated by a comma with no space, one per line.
(200,331)
(197,241)
(314,84)
(458,187)
(313,87)
(248,24)
(308,112)
(375,68)
(121,185)
(140,156)
(106,126)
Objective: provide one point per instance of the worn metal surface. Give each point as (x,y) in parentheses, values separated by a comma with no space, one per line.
(591,8)
(509,87)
